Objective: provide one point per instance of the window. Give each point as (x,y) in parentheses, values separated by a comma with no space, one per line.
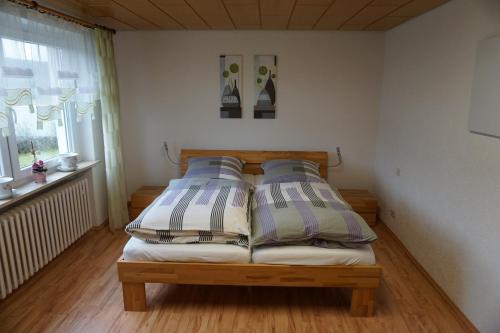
(26,51)
(45,140)
(49,138)
(49,142)
(48,82)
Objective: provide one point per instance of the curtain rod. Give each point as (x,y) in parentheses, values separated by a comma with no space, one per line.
(46,10)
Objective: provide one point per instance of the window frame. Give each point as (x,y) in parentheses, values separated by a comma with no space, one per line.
(6,167)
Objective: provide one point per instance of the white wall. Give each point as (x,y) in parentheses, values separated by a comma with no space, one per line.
(327,95)
(447,198)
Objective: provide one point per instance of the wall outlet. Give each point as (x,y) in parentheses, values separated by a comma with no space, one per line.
(398,172)
(392,213)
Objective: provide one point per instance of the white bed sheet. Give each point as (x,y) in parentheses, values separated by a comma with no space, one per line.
(253,179)
(258,180)
(312,255)
(249,178)
(138,250)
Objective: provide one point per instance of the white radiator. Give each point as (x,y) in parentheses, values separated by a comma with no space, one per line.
(34,233)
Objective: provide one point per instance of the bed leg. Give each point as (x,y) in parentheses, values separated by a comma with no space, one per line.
(134,296)
(363,302)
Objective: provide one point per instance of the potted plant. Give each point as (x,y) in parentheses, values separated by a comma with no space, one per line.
(38,169)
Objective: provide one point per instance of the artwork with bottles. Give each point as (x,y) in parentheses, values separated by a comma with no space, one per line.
(265,68)
(230,86)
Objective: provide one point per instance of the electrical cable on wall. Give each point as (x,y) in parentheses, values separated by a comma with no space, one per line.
(165,146)
(339,158)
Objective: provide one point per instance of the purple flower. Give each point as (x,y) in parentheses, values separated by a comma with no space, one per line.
(38,166)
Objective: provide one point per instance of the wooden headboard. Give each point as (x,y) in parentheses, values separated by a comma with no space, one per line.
(254,158)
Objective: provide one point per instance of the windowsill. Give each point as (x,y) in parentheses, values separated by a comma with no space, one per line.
(30,189)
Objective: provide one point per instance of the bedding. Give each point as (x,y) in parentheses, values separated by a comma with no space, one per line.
(305,213)
(249,178)
(313,255)
(196,210)
(139,250)
(280,171)
(222,167)
(258,180)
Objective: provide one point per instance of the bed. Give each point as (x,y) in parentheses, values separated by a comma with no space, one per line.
(285,267)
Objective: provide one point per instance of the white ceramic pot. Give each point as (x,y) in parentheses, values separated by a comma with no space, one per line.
(68,161)
(5,187)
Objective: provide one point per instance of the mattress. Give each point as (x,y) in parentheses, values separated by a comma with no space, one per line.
(312,255)
(138,250)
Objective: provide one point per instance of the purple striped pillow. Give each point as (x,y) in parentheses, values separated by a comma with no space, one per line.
(220,167)
(286,171)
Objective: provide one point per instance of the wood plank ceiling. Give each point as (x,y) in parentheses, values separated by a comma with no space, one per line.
(377,15)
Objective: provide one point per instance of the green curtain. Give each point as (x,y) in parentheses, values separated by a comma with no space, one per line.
(110,106)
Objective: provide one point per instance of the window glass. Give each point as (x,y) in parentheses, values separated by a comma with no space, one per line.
(48,142)
(24,51)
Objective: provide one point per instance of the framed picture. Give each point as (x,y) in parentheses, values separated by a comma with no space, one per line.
(230,86)
(265,71)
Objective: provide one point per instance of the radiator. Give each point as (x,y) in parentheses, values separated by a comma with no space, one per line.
(34,233)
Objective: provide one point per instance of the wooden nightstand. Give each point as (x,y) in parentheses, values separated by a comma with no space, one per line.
(363,203)
(142,198)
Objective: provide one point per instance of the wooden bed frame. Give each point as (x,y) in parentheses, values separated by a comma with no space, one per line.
(362,279)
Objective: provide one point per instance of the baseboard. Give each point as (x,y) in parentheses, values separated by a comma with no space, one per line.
(456,310)
(101,226)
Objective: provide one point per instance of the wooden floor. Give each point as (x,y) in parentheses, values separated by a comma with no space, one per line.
(79,292)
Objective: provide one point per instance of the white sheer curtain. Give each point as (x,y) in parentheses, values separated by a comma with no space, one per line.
(110,106)
(44,63)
